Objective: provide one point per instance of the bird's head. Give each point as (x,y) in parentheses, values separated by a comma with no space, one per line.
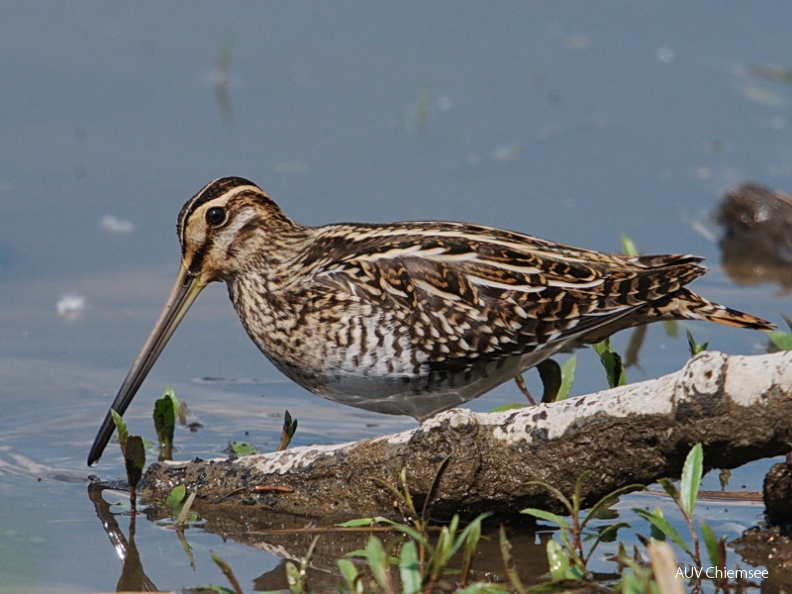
(228,227)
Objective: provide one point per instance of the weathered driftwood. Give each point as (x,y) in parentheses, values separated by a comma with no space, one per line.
(739,408)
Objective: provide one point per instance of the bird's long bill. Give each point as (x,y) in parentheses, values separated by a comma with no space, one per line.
(182,296)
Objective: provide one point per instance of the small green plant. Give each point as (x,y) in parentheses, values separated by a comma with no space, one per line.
(567,377)
(556,381)
(180,503)
(612,362)
(569,559)
(628,246)
(298,576)
(288,431)
(695,347)
(421,562)
(228,573)
(165,412)
(241,448)
(685,499)
(134,453)
(780,339)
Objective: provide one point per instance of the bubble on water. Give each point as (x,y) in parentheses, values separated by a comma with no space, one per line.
(665,54)
(114,225)
(71,306)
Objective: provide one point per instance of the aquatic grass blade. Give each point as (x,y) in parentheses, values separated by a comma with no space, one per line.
(227,572)
(508,562)
(185,514)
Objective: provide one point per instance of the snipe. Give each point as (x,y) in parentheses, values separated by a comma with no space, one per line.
(407,318)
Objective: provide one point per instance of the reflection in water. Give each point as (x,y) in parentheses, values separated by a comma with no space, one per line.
(133,578)
(220,80)
(289,537)
(757,246)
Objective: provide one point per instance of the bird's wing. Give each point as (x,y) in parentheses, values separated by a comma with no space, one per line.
(479,292)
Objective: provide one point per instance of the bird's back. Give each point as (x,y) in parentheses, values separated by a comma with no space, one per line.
(412,318)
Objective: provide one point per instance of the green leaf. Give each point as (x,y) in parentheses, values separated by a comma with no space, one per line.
(471,536)
(134,459)
(691,479)
(695,347)
(670,488)
(378,561)
(175,498)
(409,568)
(612,362)
(658,521)
(671,327)
(287,431)
(607,533)
(359,523)
(547,516)
(558,561)
(242,448)
(711,543)
(121,428)
(416,535)
(628,247)
(567,377)
(608,500)
(556,492)
(350,574)
(508,561)
(294,578)
(782,340)
(165,410)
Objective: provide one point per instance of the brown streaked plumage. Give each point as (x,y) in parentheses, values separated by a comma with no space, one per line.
(407,318)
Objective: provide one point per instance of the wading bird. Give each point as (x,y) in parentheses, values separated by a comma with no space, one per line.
(407,318)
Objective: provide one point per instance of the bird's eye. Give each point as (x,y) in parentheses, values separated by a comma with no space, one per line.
(216,216)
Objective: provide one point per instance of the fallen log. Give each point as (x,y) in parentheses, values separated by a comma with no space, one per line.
(738,407)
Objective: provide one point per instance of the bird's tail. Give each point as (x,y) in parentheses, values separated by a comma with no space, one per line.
(688,305)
